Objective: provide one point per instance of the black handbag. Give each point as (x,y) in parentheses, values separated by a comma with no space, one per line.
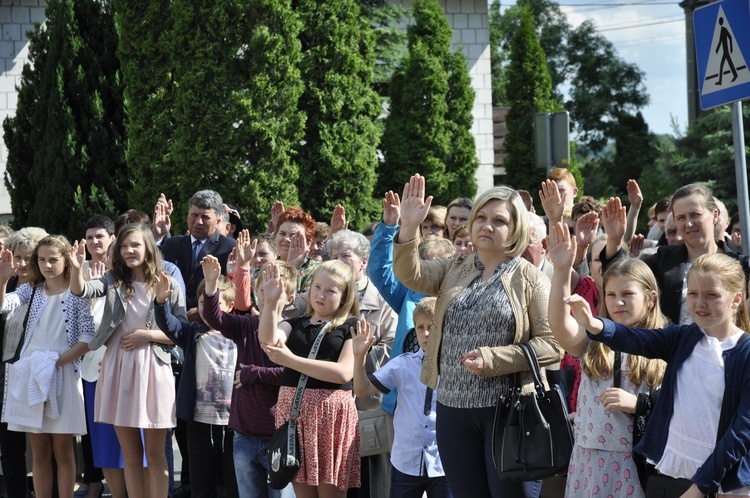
(532,437)
(284,453)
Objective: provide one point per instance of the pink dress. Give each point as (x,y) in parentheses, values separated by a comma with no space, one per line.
(136,389)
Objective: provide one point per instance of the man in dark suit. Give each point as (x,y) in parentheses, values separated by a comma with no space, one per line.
(187,251)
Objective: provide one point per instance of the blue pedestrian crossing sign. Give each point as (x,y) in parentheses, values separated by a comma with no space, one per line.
(722,49)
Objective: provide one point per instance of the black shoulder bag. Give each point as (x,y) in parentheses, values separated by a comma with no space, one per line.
(283,450)
(532,438)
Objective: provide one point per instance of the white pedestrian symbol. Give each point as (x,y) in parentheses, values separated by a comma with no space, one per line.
(726,65)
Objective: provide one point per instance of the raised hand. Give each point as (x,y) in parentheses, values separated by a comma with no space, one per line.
(414,205)
(162,289)
(362,339)
(273,286)
(276,210)
(211,269)
(635,246)
(97,269)
(245,249)
(162,221)
(391,209)
(8,265)
(78,254)
(552,202)
(338,219)
(614,218)
(634,194)
(298,250)
(587,227)
(561,247)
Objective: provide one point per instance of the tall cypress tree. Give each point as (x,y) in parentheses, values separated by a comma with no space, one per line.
(66,141)
(143,28)
(428,128)
(528,91)
(337,157)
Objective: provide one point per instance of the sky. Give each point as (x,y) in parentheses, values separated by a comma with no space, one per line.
(651,34)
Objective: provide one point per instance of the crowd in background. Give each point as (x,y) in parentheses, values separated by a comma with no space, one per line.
(131,333)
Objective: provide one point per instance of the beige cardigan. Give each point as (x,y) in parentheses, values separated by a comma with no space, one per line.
(527,288)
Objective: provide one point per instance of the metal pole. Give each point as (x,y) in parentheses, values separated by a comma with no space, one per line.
(740,169)
(549,142)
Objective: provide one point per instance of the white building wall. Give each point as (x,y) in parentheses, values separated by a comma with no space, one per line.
(471,34)
(17,17)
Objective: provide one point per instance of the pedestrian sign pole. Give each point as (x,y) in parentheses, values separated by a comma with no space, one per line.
(722,49)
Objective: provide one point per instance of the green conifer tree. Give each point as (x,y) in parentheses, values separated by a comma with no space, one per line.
(428,128)
(337,156)
(143,29)
(528,91)
(66,141)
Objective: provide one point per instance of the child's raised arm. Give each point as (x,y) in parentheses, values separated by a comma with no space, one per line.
(561,250)
(586,229)
(362,341)
(614,219)
(162,289)
(270,331)
(211,272)
(7,269)
(77,258)
(245,249)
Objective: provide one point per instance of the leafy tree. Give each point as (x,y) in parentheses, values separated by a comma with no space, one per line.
(337,156)
(706,153)
(428,128)
(528,92)
(390,39)
(66,141)
(223,100)
(552,29)
(601,85)
(143,29)
(604,87)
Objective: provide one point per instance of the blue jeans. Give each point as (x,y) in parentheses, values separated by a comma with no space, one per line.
(406,486)
(251,468)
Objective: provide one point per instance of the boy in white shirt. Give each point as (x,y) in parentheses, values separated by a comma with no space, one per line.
(416,465)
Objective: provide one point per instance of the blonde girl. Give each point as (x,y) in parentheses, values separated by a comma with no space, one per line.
(56,321)
(601,462)
(328,426)
(136,382)
(699,431)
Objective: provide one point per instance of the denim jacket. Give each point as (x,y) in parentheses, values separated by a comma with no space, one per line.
(397,295)
(729,464)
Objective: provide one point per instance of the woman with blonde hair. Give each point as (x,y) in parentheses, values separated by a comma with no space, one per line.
(487,304)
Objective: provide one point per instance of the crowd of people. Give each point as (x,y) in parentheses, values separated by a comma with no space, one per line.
(131,333)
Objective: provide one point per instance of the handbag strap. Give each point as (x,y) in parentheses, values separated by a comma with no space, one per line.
(17,354)
(297,403)
(617,371)
(534,368)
